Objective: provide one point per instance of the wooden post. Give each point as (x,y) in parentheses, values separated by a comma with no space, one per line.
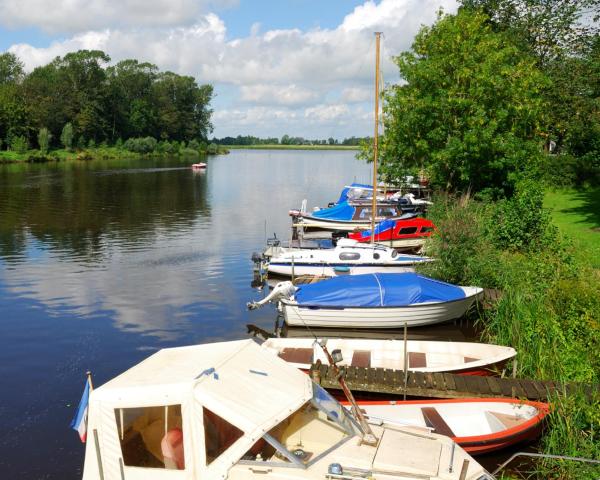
(464,470)
(405,357)
(376,137)
(293,268)
(515,364)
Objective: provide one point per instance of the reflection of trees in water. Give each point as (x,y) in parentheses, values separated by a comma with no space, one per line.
(75,209)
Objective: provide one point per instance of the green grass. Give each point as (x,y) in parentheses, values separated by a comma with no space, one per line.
(293,147)
(577,214)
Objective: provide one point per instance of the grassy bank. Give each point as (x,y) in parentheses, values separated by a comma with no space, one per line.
(293,147)
(577,214)
(548,307)
(35,156)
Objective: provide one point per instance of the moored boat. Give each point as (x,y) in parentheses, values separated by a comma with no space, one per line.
(378,300)
(348,257)
(479,425)
(199,166)
(232,410)
(400,234)
(347,216)
(423,356)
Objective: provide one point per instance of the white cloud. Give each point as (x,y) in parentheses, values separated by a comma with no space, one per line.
(356,94)
(281,68)
(81,15)
(277,94)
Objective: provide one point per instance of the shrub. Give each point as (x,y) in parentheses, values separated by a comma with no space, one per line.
(66,136)
(92,143)
(141,145)
(119,143)
(194,145)
(44,137)
(189,152)
(212,149)
(81,142)
(19,143)
(522,222)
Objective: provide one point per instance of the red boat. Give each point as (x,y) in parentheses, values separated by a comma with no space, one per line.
(409,234)
(479,425)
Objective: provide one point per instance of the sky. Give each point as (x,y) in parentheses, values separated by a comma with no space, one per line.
(297,67)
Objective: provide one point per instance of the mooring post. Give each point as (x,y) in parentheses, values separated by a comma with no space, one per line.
(464,470)
(405,358)
(515,364)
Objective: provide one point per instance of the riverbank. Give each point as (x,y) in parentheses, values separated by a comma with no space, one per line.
(293,147)
(547,307)
(36,156)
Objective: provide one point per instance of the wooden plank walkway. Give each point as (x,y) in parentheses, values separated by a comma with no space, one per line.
(442,385)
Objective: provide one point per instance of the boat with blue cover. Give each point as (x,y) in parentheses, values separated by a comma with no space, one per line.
(378,300)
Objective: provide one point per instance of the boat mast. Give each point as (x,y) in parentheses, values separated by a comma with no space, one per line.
(375,137)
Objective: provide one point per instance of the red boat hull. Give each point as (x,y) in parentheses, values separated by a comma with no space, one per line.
(480,444)
(419,228)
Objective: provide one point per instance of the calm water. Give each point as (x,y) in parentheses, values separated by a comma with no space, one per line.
(102,263)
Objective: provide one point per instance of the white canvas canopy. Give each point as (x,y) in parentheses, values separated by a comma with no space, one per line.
(237,381)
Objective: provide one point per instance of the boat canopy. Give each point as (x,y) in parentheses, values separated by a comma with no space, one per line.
(377,290)
(341,211)
(235,383)
(344,195)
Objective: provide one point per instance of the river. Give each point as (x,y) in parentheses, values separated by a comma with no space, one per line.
(104,262)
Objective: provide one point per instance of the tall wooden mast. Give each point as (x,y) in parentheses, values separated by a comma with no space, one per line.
(375,137)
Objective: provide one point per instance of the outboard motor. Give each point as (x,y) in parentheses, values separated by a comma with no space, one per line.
(281,290)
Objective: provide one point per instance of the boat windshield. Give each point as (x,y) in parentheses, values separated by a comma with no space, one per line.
(318,427)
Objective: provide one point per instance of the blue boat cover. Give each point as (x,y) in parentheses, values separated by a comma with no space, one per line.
(342,211)
(344,194)
(383,226)
(376,290)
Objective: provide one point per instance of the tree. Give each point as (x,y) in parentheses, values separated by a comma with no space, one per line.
(11,68)
(66,136)
(44,138)
(470,112)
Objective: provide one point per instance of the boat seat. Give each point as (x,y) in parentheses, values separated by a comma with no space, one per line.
(434,420)
(297,355)
(509,421)
(471,359)
(361,358)
(417,360)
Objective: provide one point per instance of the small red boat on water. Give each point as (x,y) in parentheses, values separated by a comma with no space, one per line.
(401,234)
(199,166)
(479,425)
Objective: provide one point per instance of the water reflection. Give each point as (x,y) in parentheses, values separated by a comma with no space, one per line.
(159,248)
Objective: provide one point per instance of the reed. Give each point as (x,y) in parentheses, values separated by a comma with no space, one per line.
(548,310)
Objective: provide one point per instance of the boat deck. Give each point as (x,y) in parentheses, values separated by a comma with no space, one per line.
(443,385)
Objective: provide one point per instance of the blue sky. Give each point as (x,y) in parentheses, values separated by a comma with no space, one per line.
(301,67)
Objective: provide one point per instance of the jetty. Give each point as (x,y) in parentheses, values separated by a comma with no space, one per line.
(443,385)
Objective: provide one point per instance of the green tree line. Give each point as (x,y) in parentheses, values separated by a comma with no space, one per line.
(80,100)
(500,90)
(287,140)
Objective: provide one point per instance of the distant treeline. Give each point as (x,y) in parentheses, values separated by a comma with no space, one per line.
(287,140)
(79,101)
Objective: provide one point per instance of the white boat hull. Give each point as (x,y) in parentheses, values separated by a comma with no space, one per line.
(335,271)
(379,317)
(423,356)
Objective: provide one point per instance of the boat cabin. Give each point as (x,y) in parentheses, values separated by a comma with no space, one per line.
(233,410)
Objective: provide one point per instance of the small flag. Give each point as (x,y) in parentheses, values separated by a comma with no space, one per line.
(79,421)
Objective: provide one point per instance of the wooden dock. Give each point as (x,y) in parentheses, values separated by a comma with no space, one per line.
(442,385)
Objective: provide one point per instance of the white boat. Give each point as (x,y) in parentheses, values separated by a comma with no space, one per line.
(423,356)
(232,411)
(378,300)
(479,425)
(348,257)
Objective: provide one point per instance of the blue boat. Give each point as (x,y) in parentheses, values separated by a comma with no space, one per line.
(378,300)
